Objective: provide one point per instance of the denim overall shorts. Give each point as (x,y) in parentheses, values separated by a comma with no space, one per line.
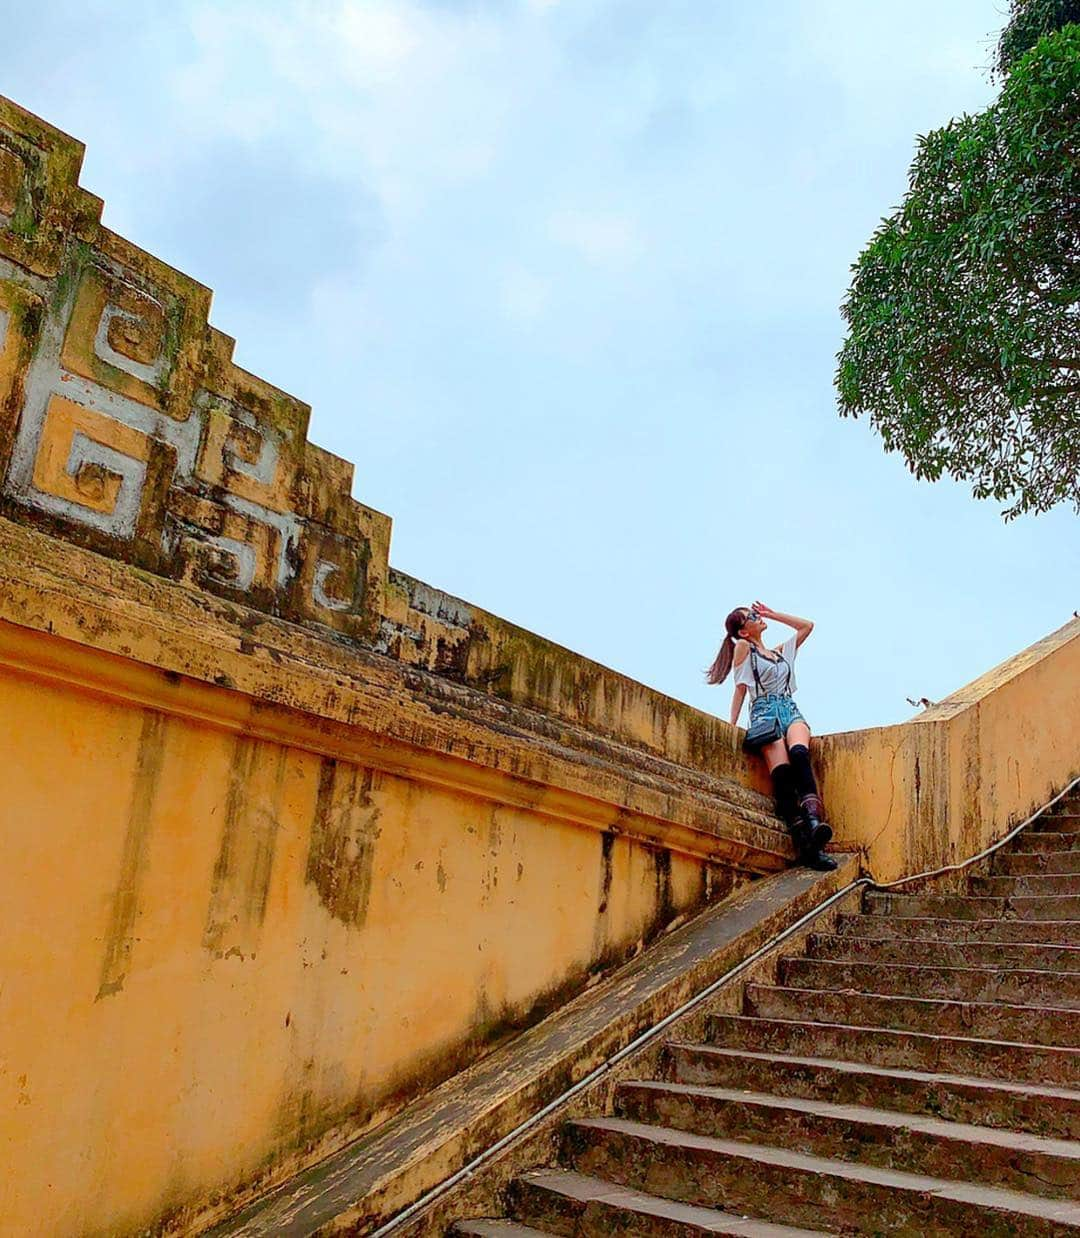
(769,705)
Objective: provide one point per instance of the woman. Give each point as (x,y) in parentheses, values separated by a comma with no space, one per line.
(769,678)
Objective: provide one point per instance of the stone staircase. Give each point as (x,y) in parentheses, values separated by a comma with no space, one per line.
(917,1072)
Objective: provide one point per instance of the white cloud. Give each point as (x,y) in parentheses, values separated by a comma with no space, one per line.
(378,41)
(410,99)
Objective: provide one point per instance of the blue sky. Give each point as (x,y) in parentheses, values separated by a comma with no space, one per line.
(563,280)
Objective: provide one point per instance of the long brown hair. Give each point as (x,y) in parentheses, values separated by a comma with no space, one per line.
(721,666)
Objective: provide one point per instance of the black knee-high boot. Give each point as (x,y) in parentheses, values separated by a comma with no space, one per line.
(786,791)
(810,805)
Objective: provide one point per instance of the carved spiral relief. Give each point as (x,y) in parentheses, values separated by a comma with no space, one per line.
(92,467)
(129,429)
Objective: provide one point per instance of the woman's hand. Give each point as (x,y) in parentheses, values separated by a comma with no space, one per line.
(803,627)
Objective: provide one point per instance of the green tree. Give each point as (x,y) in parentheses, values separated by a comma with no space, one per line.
(963,343)
(1029,20)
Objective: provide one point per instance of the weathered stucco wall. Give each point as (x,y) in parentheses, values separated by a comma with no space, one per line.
(262,888)
(942,787)
(217,949)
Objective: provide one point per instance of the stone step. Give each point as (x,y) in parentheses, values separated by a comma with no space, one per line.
(1022,863)
(892,1047)
(900,928)
(1041,840)
(1033,884)
(919,952)
(496,1229)
(800,1189)
(1050,1112)
(1058,822)
(870,1136)
(967,907)
(963,984)
(568,1202)
(979,1020)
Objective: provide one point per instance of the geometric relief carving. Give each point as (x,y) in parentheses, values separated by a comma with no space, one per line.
(85,451)
(240,455)
(118,336)
(40,200)
(337,576)
(220,546)
(126,426)
(329,578)
(133,342)
(93,467)
(238,527)
(331,586)
(212,486)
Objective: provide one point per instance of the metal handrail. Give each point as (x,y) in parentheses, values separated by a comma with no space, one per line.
(605,1067)
(650,1034)
(955,868)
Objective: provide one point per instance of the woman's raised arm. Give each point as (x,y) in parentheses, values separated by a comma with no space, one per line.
(803,627)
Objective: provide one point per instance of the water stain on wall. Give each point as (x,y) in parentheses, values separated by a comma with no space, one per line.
(716,882)
(343,835)
(241,880)
(603,919)
(607,848)
(119,937)
(664,904)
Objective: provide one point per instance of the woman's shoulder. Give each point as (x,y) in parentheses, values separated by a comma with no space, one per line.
(742,648)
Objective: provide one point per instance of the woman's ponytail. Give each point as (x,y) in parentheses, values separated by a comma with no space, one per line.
(721,667)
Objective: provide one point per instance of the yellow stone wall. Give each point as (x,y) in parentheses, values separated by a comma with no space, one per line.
(218,949)
(287,835)
(263,889)
(939,789)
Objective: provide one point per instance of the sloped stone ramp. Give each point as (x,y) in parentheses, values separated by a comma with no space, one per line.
(917,1072)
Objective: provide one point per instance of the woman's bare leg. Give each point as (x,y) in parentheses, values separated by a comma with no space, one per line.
(775,753)
(797,733)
